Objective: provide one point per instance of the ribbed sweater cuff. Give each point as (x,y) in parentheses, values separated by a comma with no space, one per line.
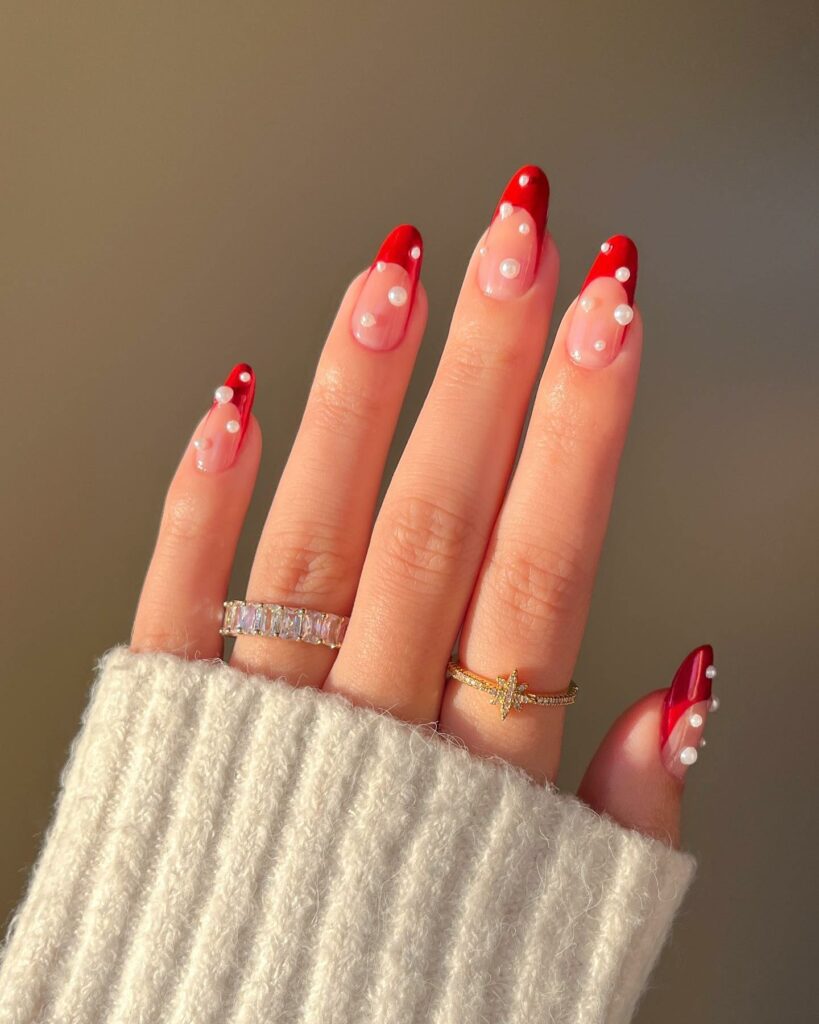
(229,849)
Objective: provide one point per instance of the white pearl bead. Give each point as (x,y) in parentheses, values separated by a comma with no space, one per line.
(244,377)
(695,720)
(505,210)
(599,345)
(380,266)
(523,179)
(523,229)
(623,314)
(482,250)
(509,268)
(688,755)
(233,426)
(713,704)
(397,295)
(587,304)
(201,444)
(622,274)
(576,355)
(710,672)
(605,247)
(367,320)
(702,742)
(223,394)
(415,252)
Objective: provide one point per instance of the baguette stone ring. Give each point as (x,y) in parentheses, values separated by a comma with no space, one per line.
(508,692)
(248,618)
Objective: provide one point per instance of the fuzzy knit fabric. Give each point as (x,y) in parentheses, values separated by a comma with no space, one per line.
(231,850)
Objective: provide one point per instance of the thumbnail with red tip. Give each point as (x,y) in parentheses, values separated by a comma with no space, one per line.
(685,709)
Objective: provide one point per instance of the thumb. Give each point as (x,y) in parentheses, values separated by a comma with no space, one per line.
(637,775)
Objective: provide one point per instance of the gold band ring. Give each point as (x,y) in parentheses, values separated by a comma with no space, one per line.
(509,692)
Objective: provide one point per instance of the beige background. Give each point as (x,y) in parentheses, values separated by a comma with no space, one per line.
(187,185)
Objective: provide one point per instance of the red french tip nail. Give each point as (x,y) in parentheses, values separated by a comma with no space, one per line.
(242,381)
(691,685)
(618,259)
(404,246)
(528,188)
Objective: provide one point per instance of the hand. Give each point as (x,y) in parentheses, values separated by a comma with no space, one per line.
(462,544)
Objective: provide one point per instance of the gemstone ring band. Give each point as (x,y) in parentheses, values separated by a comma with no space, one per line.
(248,618)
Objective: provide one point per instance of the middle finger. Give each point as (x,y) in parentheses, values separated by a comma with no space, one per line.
(438,512)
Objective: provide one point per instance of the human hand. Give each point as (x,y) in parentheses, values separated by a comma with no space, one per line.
(461,544)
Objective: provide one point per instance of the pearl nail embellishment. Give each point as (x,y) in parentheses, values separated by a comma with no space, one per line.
(383,307)
(510,252)
(218,443)
(597,329)
(685,710)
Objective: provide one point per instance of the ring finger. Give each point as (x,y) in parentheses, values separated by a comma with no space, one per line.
(313,543)
(530,605)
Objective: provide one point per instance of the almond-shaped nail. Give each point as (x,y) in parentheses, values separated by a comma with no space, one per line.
(510,253)
(685,710)
(605,306)
(217,444)
(381,313)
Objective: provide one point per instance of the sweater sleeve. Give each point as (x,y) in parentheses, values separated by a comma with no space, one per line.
(231,850)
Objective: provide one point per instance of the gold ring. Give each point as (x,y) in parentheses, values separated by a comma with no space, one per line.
(508,691)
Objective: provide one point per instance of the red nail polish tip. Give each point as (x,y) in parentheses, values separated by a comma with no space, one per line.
(689,686)
(617,255)
(404,246)
(528,188)
(242,382)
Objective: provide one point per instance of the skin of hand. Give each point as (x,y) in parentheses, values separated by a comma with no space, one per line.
(470,546)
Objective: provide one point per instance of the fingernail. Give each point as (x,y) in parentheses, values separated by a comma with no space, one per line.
(380,316)
(603,309)
(685,709)
(217,444)
(511,250)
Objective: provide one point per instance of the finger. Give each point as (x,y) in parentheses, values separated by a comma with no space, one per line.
(530,604)
(315,538)
(637,774)
(436,517)
(180,608)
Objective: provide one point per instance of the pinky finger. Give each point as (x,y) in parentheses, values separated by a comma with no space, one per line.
(180,608)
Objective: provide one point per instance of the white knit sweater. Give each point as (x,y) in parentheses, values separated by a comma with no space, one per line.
(229,849)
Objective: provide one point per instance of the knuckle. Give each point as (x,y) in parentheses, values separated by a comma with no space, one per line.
(310,561)
(480,353)
(338,406)
(423,543)
(185,519)
(536,585)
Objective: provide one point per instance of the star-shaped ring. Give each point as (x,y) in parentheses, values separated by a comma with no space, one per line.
(508,692)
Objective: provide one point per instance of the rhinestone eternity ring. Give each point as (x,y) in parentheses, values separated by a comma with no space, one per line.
(243,618)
